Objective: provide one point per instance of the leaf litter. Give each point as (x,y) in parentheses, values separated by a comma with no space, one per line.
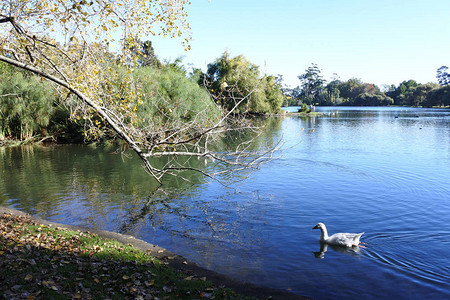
(44,262)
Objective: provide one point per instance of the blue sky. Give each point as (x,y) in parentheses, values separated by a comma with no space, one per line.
(381,42)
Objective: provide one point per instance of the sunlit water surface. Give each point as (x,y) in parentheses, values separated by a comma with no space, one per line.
(384,171)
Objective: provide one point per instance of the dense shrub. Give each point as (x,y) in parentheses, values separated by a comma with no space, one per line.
(169,97)
(438,97)
(237,82)
(27,105)
(157,98)
(377,99)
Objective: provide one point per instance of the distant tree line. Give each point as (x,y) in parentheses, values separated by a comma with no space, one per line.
(313,89)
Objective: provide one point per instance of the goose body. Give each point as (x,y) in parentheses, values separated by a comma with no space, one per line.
(338,239)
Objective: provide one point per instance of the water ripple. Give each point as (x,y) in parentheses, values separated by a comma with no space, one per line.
(400,250)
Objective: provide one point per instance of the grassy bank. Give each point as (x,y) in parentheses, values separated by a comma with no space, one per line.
(44,262)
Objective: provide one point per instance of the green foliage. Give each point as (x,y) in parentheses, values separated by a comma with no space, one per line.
(367,99)
(311,83)
(354,87)
(27,105)
(30,108)
(267,98)
(170,99)
(273,94)
(443,76)
(147,55)
(416,95)
(351,92)
(163,97)
(400,94)
(333,93)
(304,109)
(410,93)
(142,54)
(176,65)
(236,81)
(438,97)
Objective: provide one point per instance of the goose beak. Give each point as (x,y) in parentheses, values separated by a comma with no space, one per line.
(316,227)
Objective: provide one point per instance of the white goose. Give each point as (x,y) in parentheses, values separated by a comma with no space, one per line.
(338,239)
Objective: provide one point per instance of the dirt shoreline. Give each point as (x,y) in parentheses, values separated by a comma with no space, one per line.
(175,261)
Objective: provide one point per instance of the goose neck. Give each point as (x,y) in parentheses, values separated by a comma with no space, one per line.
(323,234)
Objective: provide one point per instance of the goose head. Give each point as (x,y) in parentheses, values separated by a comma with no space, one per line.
(320,226)
(323,231)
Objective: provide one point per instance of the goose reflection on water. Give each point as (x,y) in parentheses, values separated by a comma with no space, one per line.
(354,251)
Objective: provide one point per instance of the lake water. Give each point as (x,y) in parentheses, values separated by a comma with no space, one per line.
(382,171)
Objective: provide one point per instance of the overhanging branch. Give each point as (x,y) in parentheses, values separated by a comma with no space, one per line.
(79,94)
(6,19)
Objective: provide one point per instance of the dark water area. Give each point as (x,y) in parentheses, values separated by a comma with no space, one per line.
(382,171)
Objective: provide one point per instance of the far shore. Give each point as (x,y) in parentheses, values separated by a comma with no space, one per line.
(301,114)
